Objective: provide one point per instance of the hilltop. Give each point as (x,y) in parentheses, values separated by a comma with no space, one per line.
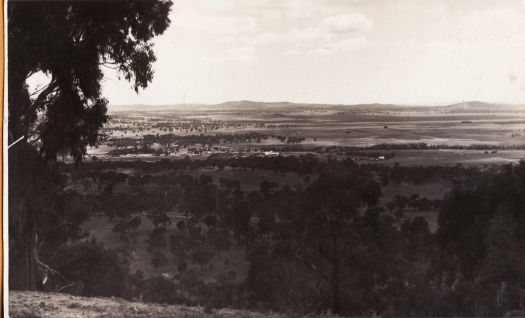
(244,105)
(253,105)
(39,304)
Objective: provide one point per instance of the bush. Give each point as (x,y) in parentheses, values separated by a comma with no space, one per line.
(99,269)
(160,290)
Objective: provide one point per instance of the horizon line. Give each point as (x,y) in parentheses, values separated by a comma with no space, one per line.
(427,104)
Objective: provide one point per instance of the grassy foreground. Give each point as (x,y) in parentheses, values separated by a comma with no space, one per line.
(38,304)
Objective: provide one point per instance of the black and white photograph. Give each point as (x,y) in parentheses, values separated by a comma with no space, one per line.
(264,158)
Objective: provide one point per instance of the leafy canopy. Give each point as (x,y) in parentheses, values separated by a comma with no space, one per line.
(70,41)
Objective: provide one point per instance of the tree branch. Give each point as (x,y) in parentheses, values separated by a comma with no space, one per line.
(39,101)
(66,286)
(30,73)
(46,267)
(40,90)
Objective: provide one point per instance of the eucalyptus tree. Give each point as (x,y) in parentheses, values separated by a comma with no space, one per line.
(72,42)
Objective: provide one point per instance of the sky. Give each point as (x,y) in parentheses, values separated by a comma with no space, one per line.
(336,52)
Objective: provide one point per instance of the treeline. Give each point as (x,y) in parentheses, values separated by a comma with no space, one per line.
(204,126)
(385,147)
(329,247)
(210,140)
(413,202)
(378,263)
(173,143)
(425,146)
(125,124)
(302,165)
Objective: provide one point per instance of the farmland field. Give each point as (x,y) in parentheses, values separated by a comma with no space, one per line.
(469,134)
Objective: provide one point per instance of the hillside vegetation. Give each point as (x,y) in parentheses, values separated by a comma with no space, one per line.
(38,304)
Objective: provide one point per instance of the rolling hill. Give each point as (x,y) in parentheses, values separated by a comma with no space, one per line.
(247,105)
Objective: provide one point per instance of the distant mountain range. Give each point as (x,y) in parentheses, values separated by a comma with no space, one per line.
(471,106)
(478,106)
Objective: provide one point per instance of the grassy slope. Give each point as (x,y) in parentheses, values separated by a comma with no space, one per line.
(38,304)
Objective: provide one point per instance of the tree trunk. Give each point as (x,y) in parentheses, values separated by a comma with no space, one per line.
(23,267)
(336,293)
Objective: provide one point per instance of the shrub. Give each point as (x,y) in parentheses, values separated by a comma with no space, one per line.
(99,269)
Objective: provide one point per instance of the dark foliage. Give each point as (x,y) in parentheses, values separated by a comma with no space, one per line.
(96,269)
(481,235)
(70,41)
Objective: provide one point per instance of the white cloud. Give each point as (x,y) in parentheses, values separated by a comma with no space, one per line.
(292,52)
(350,44)
(239,29)
(273,9)
(227,40)
(308,36)
(347,23)
(321,51)
(241,54)
(337,33)
(267,38)
(333,34)
(214,24)
(344,45)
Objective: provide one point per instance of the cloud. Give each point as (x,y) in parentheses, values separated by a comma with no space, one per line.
(245,30)
(241,54)
(273,9)
(292,52)
(316,40)
(307,36)
(215,24)
(267,38)
(347,23)
(351,44)
(335,34)
(343,45)
(331,35)
(490,27)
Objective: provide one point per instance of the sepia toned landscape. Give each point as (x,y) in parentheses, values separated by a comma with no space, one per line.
(461,133)
(179,194)
(132,200)
(369,134)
